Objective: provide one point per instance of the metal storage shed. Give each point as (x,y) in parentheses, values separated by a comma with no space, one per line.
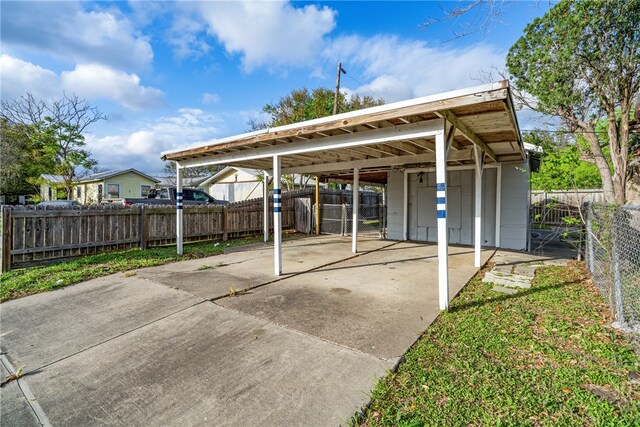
(468,129)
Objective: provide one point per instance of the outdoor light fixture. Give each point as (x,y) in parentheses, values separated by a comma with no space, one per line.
(420,177)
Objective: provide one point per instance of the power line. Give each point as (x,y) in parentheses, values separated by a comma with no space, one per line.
(363,85)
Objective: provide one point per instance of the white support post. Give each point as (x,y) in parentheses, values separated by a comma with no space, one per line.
(477,240)
(265,203)
(179,218)
(443,232)
(356,205)
(498,202)
(277,217)
(405,207)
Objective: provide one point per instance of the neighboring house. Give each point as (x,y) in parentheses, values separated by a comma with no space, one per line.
(235,184)
(104,186)
(49,187)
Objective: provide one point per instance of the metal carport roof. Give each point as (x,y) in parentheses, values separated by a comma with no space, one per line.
(468,128)
(376,138)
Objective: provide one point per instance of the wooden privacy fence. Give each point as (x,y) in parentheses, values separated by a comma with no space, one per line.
(553,214)
(35,236)
(568,197)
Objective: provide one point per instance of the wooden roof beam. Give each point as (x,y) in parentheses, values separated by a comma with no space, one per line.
(423,144)
(384,162)
(406,147)
(453,119)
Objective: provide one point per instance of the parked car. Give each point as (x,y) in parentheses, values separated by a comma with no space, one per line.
(60,203)
(167,196)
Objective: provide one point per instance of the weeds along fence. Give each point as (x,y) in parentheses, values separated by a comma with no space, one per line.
(612,253)
(33,235)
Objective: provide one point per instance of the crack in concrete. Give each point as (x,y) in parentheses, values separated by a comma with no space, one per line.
(26,392)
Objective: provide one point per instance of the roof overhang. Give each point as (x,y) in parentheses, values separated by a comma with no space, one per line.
(376,139)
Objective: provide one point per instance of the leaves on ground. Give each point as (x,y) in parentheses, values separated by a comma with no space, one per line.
(545,356)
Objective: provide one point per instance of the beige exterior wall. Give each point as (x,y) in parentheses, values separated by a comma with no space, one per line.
(44,192)
(130,185)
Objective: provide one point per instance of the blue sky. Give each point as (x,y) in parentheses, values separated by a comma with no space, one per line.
(170,74)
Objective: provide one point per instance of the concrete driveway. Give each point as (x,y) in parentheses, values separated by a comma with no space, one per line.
(169,346)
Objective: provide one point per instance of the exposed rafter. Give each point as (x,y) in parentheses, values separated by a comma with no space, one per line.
(468,133)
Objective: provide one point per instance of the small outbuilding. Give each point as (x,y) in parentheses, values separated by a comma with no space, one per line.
(454,164)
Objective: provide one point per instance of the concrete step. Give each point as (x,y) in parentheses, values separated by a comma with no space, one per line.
(512,281)
(526,270)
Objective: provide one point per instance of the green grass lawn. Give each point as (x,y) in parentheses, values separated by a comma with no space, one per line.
(545,356)
(27,281)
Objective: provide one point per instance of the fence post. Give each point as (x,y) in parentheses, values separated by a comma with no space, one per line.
(589,241)
(225,235)
(617,280)
(143,228)
(5,240)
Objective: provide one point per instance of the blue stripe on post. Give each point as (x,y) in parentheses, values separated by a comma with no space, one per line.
(442,213)
(179,207)
(277,191)
(440,186)
(178,193)
(439,199)
(277,200)
(276,209)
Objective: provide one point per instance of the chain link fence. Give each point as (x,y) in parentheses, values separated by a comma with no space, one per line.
(612,253)
(338,219)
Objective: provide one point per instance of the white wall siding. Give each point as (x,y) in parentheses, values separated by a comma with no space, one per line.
(515,206)
(394,205)
(460,207)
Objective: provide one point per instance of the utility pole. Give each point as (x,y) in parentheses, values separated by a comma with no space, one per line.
(335,97)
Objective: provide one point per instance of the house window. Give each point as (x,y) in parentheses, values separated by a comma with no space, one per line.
(113,191)
(144,190)
(78,193)
(50,194)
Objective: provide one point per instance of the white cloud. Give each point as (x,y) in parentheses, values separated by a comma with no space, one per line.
(17,77)
(210,98)
(91,81)
(268,33)
(185,37)
(68,32)
(98,81)
(141,147)
(399,69)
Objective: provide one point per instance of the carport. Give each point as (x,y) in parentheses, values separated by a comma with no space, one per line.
(468,129)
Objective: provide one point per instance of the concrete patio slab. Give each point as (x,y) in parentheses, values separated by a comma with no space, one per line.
(40,329)
(149,349)
(207,365)
(377,303)
(14,409)
(213,277)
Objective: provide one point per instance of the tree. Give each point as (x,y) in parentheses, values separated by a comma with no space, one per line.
(581,63)
(470,16)
(561,167)
(301,105)
(20,161)
(57,129)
